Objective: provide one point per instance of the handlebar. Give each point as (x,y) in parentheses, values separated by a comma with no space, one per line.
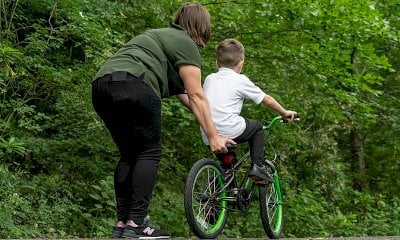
(270,124)
(296,117)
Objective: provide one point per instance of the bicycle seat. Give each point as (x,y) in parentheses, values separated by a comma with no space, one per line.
(231,147)
(228,158)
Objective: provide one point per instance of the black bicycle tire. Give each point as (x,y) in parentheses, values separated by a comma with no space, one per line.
(273,227)
(196,223)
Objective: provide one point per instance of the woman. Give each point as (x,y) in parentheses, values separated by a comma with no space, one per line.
(127,93)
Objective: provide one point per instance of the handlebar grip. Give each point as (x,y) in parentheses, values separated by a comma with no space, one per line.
(295,117)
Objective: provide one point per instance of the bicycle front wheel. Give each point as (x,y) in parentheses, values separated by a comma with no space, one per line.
(271,208)
(204,200)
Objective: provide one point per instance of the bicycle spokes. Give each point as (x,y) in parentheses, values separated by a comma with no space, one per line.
(271,208)
(272,201)
(208,195)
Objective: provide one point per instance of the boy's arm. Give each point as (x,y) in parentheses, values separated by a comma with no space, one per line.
(274,105)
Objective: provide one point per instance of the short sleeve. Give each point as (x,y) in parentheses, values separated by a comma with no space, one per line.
(187,53)
(250,91)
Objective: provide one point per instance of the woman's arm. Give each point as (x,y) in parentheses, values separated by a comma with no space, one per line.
(198,104)
(183,98)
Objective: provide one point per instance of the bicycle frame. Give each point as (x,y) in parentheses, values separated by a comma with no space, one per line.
(245,182)
(213,188)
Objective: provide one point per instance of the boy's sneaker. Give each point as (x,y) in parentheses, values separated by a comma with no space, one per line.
(117,232)
(145,231)
(260,173)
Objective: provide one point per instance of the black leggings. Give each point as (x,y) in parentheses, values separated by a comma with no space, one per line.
(131,112)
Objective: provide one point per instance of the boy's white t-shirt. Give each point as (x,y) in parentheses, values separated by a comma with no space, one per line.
(226,91)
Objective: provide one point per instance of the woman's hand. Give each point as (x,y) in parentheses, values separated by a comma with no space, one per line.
(218,144)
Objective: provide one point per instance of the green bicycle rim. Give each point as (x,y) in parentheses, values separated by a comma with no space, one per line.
(278,219)
(221,214)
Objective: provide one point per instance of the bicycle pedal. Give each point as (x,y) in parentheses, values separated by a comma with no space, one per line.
(259,181)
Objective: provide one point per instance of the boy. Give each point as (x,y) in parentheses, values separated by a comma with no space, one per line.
(226,90)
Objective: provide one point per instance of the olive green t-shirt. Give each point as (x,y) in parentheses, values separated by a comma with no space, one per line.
(157,54)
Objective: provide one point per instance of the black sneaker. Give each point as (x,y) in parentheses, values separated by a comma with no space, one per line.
(117,232)
(260,173)
(145,231)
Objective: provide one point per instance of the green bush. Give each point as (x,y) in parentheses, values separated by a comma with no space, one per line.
(336,63)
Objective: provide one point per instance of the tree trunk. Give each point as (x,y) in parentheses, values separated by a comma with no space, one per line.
(357,149)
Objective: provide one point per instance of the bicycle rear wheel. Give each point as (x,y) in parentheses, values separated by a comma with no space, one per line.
(271,208)
(205,203)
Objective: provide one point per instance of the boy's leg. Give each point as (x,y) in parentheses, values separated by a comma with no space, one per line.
(254,135)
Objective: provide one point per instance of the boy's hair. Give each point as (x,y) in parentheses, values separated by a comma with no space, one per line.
(229,53)
(196,20)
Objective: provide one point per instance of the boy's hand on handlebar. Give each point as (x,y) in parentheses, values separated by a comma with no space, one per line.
(218,144)
(289,115)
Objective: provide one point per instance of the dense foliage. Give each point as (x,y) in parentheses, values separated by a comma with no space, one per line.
(337,62)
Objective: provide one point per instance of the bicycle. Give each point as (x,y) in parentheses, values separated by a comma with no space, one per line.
(213,188)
